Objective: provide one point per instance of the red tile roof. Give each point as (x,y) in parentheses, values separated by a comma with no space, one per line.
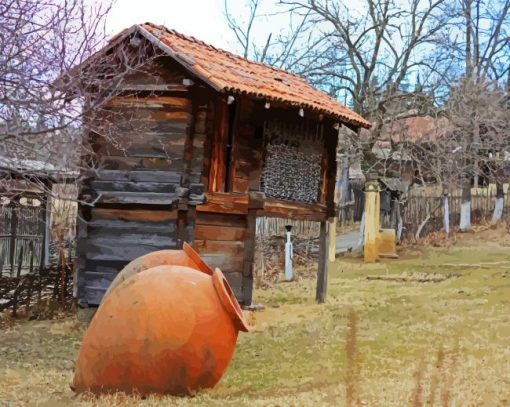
(227,72)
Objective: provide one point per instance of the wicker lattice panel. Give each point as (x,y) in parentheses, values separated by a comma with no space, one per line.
(291,174)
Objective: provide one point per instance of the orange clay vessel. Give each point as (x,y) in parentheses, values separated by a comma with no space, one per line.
(169,329)
(185,257)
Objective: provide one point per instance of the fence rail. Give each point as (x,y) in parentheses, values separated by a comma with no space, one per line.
(29,291)
(351,211)
(421,204)
(267,227)
(22,231)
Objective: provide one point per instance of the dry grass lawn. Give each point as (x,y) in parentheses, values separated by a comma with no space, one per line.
(432,328)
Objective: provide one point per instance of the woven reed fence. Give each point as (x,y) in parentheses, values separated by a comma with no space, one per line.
(424,202)
(268,227)
(32,293)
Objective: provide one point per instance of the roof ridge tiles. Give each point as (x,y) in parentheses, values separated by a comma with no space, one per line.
(228,53)
(226,71)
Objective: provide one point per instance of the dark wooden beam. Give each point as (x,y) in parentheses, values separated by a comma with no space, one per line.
(322,275)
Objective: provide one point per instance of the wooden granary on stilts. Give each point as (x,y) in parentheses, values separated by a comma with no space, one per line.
(225,140)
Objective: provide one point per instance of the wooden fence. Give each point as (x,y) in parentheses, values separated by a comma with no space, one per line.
(268,227)
(351,212)
(418,205)
(30,293)
(422,203)
(22,230)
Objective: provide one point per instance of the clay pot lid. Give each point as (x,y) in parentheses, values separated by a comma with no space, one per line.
(229,301)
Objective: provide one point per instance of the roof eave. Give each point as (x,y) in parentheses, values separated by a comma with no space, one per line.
(165,48)
(351,123)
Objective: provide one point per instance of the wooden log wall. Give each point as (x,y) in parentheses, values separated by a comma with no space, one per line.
(220,234)
(222,223)
(151,165)
(248,147)
(225,226)
(219,238)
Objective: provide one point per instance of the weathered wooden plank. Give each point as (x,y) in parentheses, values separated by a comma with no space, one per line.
(148,149)
(207,232)
(215,246)
(162,87)
(123,248)
(105,267)
(133,215)
(244,168)
(157,187)
(241,185)
(197,188)
(293,210)
(171,177)
(133,236)
(157,133)
(225,262)
(247,153)
(98,279)
(118,227)
(246,133)
(216,219)
(217,173)
(141,163)
(222,208)
(125,124)
(128,125)
(200,121)
(228,203)
(150,102)
(92,294)
(147,198)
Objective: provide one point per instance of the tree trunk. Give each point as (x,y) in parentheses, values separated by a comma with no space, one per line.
(500,202)
(400,222)
(476,142)
(469,33)
(446,213)
(465,206)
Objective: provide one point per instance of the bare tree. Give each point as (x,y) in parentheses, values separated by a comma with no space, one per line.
(378,45)
(296,46)
(480,134)
(48,96)
(55,88)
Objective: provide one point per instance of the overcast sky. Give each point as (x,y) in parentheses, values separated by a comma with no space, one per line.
(203,19)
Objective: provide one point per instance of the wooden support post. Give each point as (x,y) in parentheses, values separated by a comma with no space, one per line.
(372,215)
(190,224)
(322,275)
(249,249)
(255,202)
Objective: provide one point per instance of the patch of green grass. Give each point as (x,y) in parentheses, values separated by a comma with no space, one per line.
(305,354)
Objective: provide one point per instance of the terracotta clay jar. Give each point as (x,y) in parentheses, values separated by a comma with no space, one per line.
(185,257)
(168,329)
